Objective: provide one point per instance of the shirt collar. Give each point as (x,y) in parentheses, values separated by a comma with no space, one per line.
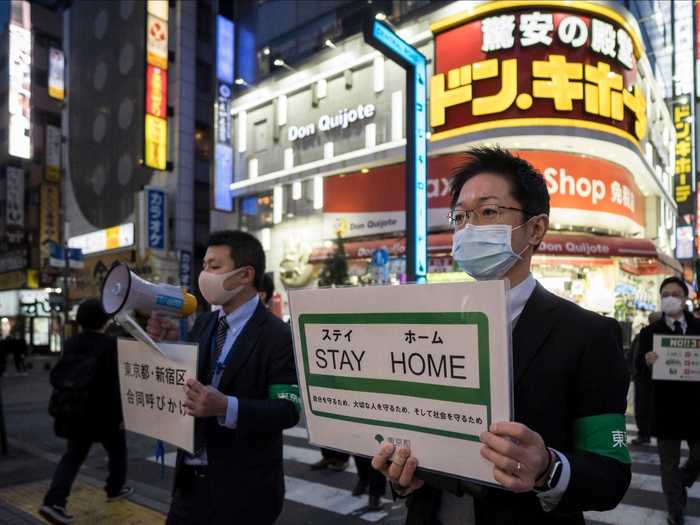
(241,315)
(518,297)
(669,322)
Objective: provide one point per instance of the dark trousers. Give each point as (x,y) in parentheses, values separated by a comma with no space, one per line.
(20,366)
(335,455)
(68,467)
(192,498)
(671,473)
(368,476)
(642,406)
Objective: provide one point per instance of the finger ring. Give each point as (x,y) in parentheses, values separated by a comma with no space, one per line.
(397,463)
(518,467)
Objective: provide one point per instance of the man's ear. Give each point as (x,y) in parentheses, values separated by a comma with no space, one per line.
(540,225)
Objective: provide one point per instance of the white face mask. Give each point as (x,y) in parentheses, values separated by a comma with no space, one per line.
(671,305)
(212,287)
(485,252)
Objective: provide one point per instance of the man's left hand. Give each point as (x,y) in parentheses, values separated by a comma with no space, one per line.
(518,454)
(204,401)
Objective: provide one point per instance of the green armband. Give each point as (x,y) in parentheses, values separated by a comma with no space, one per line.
(288,392)
(604,434)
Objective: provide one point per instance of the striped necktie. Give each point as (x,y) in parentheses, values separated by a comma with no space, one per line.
(221,331)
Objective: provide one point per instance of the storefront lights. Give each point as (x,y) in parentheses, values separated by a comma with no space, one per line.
(296,190)
(277,203)
(318,192)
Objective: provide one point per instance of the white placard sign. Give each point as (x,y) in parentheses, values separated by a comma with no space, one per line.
(152,390)
(679,358)
(426,367)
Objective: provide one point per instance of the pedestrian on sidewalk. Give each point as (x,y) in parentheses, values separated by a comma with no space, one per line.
(86,405)
(675,405)
(18,347)
(641,375)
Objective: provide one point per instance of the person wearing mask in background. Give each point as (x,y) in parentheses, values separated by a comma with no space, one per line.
(641,375)
(244,395)
(566,451)
(267,290)
(675,405)
(86,405)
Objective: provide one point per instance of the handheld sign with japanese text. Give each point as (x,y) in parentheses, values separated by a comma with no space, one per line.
(426,367)
(152,390)
(679,358)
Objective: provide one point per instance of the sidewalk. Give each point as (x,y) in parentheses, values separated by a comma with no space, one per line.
(34,451)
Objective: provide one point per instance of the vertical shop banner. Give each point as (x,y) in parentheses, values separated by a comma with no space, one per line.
(224,49)
(185,268)
(157,42)
(156,91)
(49,219)
(152,390)
(423,366)
(156,138)
(20,91)
(57,66)
(684,186)
(679,358)
(223,152)
(14,205)
(156,218)
(158,8)
(53,153)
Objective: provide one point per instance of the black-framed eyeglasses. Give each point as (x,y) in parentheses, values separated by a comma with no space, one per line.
(484,214)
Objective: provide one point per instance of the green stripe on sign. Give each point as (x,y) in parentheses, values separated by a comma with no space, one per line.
(288,392)
(603,434)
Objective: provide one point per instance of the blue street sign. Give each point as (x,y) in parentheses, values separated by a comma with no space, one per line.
(380,257)
(155,217)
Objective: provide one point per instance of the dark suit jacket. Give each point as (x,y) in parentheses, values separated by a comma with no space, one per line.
(567,364)
(245,464)
(675,405)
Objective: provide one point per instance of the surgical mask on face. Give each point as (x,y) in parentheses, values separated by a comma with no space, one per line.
(485,252)
(671,305)
(212,287)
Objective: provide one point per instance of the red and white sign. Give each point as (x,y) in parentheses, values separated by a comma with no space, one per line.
(584,192)
(589,192)
(156,91)
(157,42)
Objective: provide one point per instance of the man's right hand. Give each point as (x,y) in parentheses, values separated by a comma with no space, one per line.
(162,329)
(400,472)
(651,357)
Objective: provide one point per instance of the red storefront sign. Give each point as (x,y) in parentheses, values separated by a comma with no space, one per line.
(156,91)
(539,65)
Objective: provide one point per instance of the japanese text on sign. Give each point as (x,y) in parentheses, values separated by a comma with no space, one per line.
(156,218)
(682,121)
(678,358)
(555,79)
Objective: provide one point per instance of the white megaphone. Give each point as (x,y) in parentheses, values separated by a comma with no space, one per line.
(123,291)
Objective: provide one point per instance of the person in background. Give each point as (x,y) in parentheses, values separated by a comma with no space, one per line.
(641,376)
(675,405)
(369,480)
(267,290)
(18,347)
(331,459)
(90,413)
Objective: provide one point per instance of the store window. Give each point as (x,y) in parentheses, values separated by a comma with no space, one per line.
(256,211)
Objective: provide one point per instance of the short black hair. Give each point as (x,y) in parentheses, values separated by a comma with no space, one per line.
(527,185)
(677,280)
(267,286)
(90,315)
(245,248)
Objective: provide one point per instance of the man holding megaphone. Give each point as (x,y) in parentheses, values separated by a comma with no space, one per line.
(245,394)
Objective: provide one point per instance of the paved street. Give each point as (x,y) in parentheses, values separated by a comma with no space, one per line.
(313,498)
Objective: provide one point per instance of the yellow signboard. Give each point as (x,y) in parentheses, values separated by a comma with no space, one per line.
(156,142)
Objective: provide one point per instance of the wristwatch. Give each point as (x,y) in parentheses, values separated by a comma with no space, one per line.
(553,478)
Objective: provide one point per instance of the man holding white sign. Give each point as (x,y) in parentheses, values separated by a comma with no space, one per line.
(245,394)
(670,346)
(566,450)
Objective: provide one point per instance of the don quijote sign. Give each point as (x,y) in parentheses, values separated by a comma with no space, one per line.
(341,120)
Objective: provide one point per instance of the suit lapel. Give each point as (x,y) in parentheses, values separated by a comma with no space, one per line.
(205,339)
(244,345)
(531,330)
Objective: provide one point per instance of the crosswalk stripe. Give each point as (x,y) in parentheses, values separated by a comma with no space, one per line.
(651,483)
(630,514)
(325,497)
(632,432)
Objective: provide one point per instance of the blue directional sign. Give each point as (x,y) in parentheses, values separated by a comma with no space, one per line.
(383,38)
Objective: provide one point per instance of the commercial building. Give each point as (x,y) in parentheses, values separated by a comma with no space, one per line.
(318,149)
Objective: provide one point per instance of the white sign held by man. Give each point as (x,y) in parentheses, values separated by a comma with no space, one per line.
(679,358)
(425,367)
(152,390)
